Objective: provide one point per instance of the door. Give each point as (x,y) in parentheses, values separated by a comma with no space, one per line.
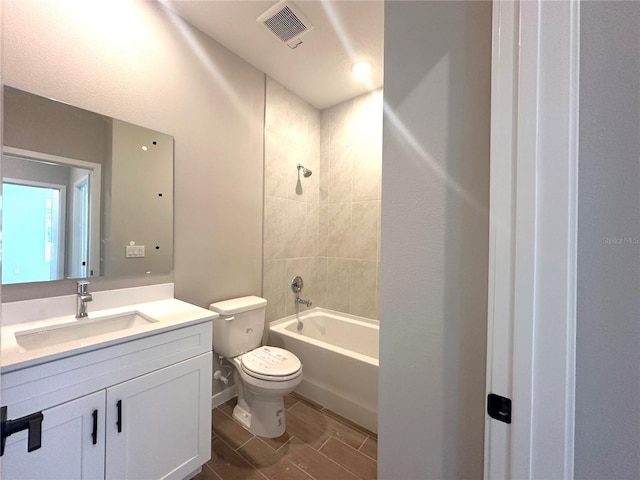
(79,240)
(72,444)
(533,239)
(159,424)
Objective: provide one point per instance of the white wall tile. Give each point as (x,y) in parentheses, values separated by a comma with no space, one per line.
(274,287)
(339,230)
(328,226)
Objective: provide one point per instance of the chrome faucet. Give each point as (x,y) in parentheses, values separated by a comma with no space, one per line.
(304,302)
(296,287)
(83,297)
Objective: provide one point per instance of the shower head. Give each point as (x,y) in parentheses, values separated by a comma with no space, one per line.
(305,171)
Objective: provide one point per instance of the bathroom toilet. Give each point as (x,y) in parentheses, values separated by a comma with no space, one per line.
(262,374)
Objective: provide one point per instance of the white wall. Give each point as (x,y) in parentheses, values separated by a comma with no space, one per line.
(607,427)
(435,191)
(137,63)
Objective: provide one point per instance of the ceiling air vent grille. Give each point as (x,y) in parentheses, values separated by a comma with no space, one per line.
(286,22)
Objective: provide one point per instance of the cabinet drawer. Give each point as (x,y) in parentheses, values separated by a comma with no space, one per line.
(43,386)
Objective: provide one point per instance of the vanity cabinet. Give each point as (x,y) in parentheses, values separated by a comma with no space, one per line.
(138,410)
(154,428)
(67,449)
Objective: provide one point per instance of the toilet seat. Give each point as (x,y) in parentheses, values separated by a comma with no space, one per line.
(271,363)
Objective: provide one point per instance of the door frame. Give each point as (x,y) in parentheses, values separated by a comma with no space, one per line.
(533,237)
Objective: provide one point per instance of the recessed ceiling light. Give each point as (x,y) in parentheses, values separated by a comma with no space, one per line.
(361,69)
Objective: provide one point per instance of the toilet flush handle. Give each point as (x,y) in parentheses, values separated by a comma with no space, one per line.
(228,319)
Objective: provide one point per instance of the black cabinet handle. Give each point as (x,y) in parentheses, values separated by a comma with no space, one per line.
(94,432)
(119,422)
(32,423)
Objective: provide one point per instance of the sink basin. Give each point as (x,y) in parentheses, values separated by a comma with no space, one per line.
(80,329)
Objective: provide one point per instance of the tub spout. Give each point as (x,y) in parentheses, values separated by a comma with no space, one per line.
(304,302)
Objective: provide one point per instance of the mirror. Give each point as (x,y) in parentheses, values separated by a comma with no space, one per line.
(84,195)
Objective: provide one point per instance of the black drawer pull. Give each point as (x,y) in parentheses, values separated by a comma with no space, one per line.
(119,421)
(94,432)
(32,423)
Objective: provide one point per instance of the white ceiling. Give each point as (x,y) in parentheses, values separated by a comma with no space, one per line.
(319,70)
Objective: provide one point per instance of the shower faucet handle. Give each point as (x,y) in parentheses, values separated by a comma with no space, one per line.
(297,284)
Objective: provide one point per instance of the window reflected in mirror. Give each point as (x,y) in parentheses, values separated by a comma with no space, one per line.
(49,230)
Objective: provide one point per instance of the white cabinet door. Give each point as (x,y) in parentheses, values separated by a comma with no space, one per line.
(159,425)
(68,448)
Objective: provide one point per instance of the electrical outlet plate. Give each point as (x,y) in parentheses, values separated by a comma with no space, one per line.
(134,251)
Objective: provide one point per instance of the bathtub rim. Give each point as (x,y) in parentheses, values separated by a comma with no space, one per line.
(310,311)
(279,326)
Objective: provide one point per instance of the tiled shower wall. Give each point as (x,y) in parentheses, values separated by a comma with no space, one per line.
(324,228)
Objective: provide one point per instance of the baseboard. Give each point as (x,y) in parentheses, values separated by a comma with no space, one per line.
(221,397)
(355,412)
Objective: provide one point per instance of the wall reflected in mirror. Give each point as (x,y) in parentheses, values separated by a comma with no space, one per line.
(84,195)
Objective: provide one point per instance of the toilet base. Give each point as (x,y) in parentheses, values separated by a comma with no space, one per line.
(266,418)
(242,416)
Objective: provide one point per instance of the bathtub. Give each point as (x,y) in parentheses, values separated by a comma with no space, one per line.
(339,355)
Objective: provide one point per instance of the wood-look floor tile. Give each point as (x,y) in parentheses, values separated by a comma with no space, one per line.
(273,465)
(316,464)
(308,432)
(228,465)
(351,459)
(289,401)
(370,448)
(343,432)
(228,429)
(227,407)
(278,442)
(317,445)
(206,474)
(348,422)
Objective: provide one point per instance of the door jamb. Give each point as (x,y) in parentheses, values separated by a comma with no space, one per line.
(533,237)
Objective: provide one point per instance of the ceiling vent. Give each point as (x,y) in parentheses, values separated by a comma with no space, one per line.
(286,22)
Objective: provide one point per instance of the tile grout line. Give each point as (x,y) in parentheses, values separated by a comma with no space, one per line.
(285,443)
(323,443)
(236,449)
(339,464)
(214,473)
(363,442)
(357,474)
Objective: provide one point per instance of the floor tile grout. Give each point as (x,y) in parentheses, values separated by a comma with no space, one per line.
(339,464)
(324,443)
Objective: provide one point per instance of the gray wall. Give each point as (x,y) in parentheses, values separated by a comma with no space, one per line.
(40,125)
(136,62)
(607,436)
(435,193)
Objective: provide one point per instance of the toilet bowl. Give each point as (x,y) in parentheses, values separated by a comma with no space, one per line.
(260,406)
(263,374)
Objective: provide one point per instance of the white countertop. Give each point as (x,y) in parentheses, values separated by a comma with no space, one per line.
(168,313)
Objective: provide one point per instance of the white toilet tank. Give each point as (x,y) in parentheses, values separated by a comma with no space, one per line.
(240,325)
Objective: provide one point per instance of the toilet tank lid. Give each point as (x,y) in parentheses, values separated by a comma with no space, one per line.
(238,305)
